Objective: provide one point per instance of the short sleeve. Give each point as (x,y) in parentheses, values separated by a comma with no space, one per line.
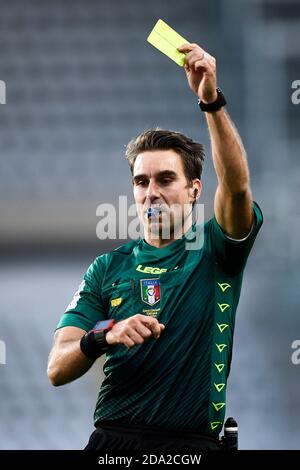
(232,254)
(87,306)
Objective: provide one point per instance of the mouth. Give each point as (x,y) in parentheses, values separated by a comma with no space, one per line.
(154,212)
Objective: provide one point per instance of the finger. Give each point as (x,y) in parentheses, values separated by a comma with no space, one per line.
(197,52)
(187,47)
(111,338)
(143,331)
(194,60)
(196,55)
(200,54)
(158,331)
(211,60)
(204,65)
(127,341)
(153,325)
(187,68)
(135,336)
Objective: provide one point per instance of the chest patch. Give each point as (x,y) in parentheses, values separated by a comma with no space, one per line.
(116,302)
(150,291)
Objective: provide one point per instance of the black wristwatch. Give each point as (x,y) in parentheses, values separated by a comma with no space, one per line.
(93,344)
(100,330)
(216,105)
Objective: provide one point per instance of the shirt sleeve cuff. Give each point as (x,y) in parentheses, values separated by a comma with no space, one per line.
(237,240)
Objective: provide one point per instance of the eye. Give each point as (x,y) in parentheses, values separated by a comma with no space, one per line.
(141,183)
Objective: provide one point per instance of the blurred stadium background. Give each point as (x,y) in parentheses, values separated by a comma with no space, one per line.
(81,81)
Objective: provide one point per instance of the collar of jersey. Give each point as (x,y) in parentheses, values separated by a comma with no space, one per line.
(176,245)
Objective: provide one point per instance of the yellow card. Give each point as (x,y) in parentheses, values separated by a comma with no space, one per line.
(166,40)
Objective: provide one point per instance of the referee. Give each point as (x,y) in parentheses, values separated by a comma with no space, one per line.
(162,308)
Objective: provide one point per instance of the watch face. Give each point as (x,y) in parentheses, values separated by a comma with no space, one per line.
(104,324)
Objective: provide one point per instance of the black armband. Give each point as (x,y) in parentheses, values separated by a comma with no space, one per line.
(93,344)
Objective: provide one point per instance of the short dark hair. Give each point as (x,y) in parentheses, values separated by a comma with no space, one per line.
(192,153)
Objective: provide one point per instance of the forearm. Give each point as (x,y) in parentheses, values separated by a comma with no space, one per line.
(228,153)
(233,199)
(67,363)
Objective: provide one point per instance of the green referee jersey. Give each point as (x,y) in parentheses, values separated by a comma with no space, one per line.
(192,286)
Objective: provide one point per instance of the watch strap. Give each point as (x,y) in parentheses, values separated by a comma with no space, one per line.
(93,344)
(216,105)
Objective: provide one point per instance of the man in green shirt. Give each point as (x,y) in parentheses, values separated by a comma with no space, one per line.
(163,308)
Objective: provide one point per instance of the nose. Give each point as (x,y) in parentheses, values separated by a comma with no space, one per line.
(152,192)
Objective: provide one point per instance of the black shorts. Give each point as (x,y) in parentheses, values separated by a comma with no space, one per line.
(112,436)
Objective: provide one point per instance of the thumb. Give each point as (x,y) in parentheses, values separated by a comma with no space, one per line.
(186,47)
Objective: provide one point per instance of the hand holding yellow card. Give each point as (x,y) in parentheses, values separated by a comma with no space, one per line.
(166,40)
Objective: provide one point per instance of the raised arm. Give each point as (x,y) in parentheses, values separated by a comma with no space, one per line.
(233,198)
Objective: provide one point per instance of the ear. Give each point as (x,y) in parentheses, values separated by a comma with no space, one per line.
(196,189)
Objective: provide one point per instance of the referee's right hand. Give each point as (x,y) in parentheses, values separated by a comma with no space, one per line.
(134,330)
